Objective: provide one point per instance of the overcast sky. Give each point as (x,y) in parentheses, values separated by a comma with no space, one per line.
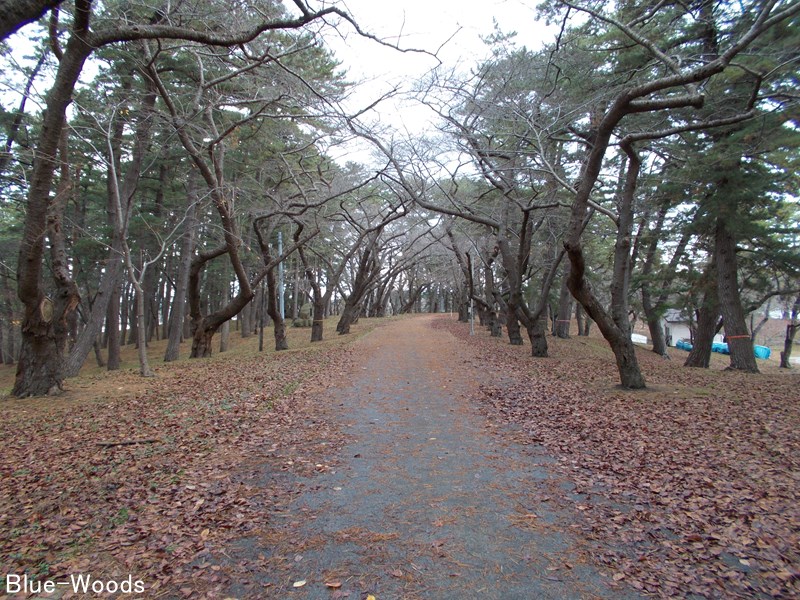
(428,24)
(450,28)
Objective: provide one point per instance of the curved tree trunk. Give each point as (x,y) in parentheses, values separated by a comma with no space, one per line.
(615,327)
(56,313)
(348,317)
(368,270)
(43,332)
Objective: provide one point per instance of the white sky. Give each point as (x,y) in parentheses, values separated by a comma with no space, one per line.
(428,24)
(452,27)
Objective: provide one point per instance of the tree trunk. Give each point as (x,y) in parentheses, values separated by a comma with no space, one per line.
(349,313)
(739,342)
(273,310)
(141,331)
(225,336)
(654,324)
(178,312)
(113,338)
(98,353)
(788,342)
(45,325)
(536,335)
(564,315)
(201,342)
(512,325)
(296,296)
(8,315)
(791,332)
(318,323)
(164,296)
(615,326)
(133,319)
(368,269)
(707,320)
(246,317)
(150,305)
(463,302)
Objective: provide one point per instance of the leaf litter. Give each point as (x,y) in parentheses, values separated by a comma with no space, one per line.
(153,479)
(689,488)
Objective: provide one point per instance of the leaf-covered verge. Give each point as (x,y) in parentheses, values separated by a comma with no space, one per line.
(691,488)
(125,475)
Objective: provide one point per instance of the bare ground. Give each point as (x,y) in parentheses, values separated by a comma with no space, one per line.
(427,500)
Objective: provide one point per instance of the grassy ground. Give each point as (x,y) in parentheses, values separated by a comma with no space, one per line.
(93,378)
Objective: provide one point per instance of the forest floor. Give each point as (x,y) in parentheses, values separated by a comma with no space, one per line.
(415,461)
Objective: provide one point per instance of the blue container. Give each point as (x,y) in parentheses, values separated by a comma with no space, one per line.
(683,345)
(762,352)
(720,347)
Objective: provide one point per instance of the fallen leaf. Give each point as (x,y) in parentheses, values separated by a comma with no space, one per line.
(299,584)
(334,585)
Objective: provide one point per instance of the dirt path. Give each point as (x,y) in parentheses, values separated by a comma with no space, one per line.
(427,501)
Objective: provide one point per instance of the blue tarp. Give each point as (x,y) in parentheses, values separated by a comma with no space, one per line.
(720,347)
(761,352)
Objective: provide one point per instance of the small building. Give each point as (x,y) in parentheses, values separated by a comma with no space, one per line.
(677,326)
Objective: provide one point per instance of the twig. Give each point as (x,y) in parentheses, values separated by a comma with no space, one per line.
(128,442)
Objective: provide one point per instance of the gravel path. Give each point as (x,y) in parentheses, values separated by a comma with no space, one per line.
(427,501)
